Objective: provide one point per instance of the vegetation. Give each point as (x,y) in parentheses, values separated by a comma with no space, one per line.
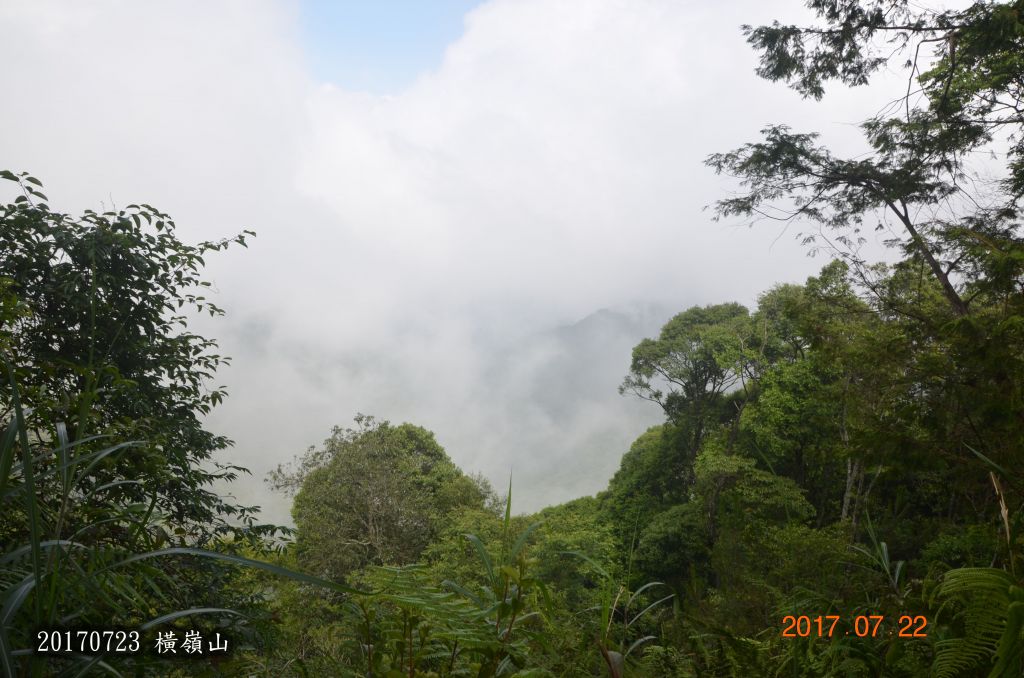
(107,521)
(847,455)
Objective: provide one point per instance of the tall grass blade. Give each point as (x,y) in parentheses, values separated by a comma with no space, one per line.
(997,467)
(171,616)
(521,541)
(62,453)
(6,655)
(31,506)
(643,588)
(638,642)
(7,454)
(485,557)
(651,607)
(48,544)
(240,560)
(590,561)
(15,598)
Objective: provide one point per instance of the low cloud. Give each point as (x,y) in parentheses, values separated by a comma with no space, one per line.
(437,255)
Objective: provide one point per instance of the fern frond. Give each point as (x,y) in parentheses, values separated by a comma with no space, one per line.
(992,618)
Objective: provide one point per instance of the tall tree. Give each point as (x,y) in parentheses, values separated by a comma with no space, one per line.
(967,65)
(961,235)
(698,357)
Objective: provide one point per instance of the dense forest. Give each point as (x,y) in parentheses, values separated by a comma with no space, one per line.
(836,488)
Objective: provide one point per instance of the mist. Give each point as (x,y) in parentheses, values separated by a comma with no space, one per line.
(475,253)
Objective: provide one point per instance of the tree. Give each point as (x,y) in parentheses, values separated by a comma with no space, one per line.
(960,233)
(927,366)
(698,357)
(100,342)
(373,495)
(823,403)
(654,474)
(575,527)
(673,546)
(920,170)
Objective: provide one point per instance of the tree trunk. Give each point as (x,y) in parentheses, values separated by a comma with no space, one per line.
(852,471)
(852,465)
(958,304)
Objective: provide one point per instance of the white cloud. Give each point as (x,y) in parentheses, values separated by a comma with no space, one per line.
(551,166)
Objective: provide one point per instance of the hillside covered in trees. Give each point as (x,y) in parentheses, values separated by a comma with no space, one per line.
(835,488)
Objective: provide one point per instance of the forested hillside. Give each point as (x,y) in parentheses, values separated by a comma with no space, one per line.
(835,488)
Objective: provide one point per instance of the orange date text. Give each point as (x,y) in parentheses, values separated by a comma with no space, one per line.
(861,626)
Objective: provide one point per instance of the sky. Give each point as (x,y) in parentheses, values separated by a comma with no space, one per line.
(378,47)
(467,212)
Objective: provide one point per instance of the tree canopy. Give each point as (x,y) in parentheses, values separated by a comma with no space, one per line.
(373,495)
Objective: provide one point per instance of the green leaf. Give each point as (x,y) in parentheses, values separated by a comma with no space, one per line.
(485,557)
(521,541)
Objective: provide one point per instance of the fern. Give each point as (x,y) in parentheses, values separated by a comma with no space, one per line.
(992,617)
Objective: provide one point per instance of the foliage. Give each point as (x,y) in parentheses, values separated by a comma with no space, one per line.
(61,576)
(473,606)
(374,495)
(621,611)
(831,451)
(100,531)
(698,357)
(653,475)
(991,614)
(905,372)
(100,342)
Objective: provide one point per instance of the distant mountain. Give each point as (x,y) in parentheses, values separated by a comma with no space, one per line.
(582,362)
(544,405)
(557,393)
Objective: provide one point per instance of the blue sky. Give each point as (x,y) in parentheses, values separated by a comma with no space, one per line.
(378,46)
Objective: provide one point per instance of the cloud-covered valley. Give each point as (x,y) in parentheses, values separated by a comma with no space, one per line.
(476,254)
